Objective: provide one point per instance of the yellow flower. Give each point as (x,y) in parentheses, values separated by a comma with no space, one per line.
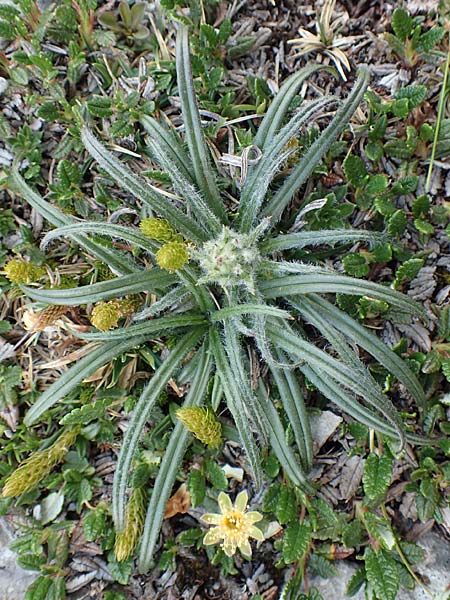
(203,423)
(127,540)
(18,270)
(172,256)
(105,315)
(160,230)
(233,525)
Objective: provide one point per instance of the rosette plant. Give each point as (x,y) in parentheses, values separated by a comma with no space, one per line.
(236,293)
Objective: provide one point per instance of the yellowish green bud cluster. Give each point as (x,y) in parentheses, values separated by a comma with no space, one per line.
(159,230)
(18,270)
(172,256)
(37,466)
(203,423)
(105,315)
(127,539)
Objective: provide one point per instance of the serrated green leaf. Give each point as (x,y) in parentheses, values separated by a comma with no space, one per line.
(430,39)
(421,205)
(357,580)
(380,530)
(446,368)
(100,106)
(120,571)
(270,498)
(121,128)
(216,475)
(402,24)
(196,486)
(39,589)
(382,574)
(424,226)
(398,148)
(286,507)
(415,94)
(377,475)
(377,184)
(408,270)
(86,413)
(355,265)
(296,540)
(397,223)
(385,206)
(355,170)
(353,534)
(94,524)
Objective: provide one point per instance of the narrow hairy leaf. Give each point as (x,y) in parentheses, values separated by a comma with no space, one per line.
(322,363)
(246,400)
(354,408)
(146,329)
(139,188)
(169,141)
(283,452)
(260,176)
(316,151)
(75,375)
(140,416)
(316,238)
(170,464)
(116,261)
(370,343)
(235,403)
(186,190)
(335,337)
(245,309)
(194,136)
(133,236)
(294,406)
(296,540)
(334,283)
(149,280)
(280,104)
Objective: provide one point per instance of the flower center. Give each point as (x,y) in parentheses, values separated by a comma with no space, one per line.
(229,260)
(234,522)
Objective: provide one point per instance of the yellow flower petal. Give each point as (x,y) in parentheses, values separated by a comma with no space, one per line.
(253,517)
(234,526)
(229,547)
(211,518)
(245,549)
(256,533)
(241,501)
(224,503)
(213,536)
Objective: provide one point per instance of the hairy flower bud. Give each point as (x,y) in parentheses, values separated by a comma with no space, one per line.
(127,539)
(172,256)
(231,259)
(18,270)
(203,423)
(37,466)
(105,315)
(159,230)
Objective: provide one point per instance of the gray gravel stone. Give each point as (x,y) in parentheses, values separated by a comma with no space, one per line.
(435,571)
(14,581)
